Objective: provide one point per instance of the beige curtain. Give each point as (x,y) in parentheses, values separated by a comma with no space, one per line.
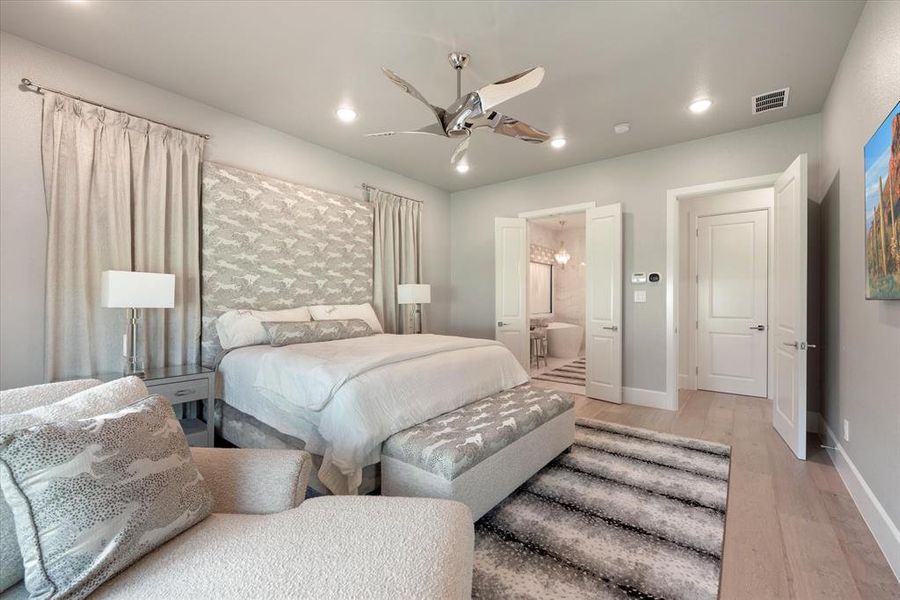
(398,256)
(122,193)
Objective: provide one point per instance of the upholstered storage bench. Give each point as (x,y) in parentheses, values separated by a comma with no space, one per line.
(480,453)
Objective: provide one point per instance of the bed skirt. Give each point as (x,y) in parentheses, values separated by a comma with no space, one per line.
(244,431)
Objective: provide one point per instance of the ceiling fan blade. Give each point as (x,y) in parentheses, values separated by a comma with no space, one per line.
(433,129)
(512,127)
(409,89)
(461,152)
(505,89)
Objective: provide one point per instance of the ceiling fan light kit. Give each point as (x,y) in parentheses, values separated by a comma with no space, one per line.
(474,110)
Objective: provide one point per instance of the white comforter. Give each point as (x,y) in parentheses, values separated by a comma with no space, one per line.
(354,394)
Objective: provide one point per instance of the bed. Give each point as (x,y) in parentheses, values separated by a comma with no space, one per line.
(272,245)
(343,398)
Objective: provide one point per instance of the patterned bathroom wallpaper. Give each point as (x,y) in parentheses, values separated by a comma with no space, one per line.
(568,283)
(542,254)
(269,244)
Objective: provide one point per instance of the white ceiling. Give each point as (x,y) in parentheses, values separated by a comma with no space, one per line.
(290,64)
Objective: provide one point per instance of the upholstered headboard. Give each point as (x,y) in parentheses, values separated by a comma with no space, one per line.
(268,244)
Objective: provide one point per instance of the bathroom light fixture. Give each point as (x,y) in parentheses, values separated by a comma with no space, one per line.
(346,114)
(622,127)
(558,142)
(700,106)
(462,168)
(562,255)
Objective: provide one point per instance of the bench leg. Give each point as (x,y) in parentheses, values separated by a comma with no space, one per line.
(568,450)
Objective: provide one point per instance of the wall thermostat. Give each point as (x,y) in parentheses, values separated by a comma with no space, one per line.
(638,278)
(654,277)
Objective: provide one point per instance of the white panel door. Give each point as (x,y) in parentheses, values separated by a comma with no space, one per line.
(789,307)
(510,273)
(732,303)
(603,306)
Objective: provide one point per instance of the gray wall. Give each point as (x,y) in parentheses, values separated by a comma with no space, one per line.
(640,182)
(236,141)
(861,343)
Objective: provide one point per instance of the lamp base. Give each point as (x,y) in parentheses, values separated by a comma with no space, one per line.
(132,365)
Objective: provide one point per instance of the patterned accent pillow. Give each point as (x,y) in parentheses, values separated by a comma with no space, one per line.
(284,333)
(91,497)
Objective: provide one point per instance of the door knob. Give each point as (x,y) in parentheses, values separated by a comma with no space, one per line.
(758,327)
(794,344)
(501,324)
(810,345)
(611,327)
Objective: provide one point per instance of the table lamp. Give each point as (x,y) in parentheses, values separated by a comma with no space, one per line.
(415,293)
(133,290)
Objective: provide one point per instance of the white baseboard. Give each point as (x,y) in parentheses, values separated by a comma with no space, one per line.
(812,421)
(642,397)
(880,524)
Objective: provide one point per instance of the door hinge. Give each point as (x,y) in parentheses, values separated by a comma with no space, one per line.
(696,324)
(697,279)
(697,232)
(696,370)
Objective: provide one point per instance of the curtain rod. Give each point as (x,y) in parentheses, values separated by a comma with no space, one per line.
(33,87)
(366,186)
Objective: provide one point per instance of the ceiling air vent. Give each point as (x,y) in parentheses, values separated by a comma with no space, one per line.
(770,101)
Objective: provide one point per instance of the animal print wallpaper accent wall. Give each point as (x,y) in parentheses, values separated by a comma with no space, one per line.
(269,244)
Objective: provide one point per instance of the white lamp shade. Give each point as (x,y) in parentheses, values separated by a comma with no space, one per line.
(413,293)
(129,289)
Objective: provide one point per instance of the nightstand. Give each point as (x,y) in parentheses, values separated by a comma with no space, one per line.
(186,387)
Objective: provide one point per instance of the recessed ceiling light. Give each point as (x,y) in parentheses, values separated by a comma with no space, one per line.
(462,168)
(558,142)
(346,114)
(622,127)
(700,106)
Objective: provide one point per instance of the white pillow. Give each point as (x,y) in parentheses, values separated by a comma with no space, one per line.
(89,403)
(326,312)
(238,328)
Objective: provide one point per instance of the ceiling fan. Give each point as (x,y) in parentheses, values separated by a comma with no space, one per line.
(475,110)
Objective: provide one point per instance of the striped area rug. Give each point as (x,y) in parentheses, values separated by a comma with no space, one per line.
(626,513)
(572,373)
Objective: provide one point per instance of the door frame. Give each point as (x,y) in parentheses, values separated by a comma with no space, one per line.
(673,196)
(543,213)
(696,209)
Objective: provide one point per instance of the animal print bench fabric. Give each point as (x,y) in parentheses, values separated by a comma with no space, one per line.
(452,443)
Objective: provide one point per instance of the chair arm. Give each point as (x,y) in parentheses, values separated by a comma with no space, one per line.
(246,481)
(18,400)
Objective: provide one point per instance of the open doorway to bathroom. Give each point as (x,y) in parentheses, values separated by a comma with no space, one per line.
(556,301)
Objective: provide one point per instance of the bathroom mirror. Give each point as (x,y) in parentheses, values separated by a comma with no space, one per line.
(540,289)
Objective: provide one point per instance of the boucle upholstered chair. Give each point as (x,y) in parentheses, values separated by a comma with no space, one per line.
(264,541)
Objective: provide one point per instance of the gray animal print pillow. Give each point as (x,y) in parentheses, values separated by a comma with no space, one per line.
(282,333)
(90,497)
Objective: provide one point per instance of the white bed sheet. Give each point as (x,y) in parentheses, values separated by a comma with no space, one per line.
(370,399)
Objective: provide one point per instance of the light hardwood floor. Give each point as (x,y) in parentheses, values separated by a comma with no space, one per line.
(791,529)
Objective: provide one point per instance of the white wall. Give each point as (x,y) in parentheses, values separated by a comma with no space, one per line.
(568,290)
(861,345)
(640,182)
(235,141)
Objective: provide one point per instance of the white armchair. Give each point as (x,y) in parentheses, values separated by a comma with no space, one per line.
(264,541)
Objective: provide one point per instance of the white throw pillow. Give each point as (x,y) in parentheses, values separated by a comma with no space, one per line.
(89,497)
(326,312)
(94,401)
(237,328)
